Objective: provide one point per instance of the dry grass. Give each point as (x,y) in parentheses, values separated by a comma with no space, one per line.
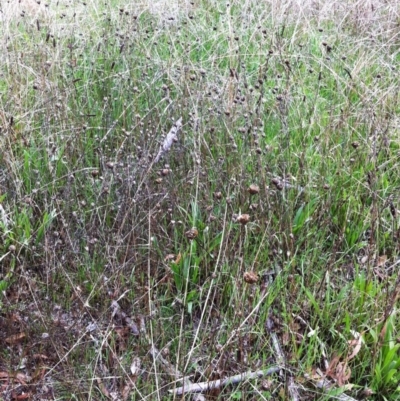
(271,219)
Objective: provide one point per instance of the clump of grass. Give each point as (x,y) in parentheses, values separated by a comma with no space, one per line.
(275,203)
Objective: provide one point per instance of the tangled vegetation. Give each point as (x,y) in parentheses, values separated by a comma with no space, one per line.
(195,190)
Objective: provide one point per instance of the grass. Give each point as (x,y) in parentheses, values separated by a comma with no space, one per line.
(299,102)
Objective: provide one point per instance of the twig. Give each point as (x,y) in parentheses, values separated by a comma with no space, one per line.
(292,387)
(215,384)
(172,371)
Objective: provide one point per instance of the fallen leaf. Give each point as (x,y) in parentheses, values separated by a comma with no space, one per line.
(103,388)
(338,371)
(178,258)
(169,257)
(40,356)
(331,370)
(356,342)
(343,373)
(15,338)
(381,261)
(4,375)
(23,396)
(128,387)
(19,377)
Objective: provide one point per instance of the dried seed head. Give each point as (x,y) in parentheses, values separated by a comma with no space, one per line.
(192,233)
(218,195)
(392,209)
(355,144)
(278,184)
(250,277)
(266,384)
(253,189)
(367,392)
(12,248)
(243,219)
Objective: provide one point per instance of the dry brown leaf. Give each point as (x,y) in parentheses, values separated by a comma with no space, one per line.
(130,385)
(15,338)
(169,257)
(178,258)
(19,377)
(4,375)
(331,370)
(103,388)
(338,371)
(381,261)
(40,356)
(356,343)
(343,373)
(23,396)
(285,338)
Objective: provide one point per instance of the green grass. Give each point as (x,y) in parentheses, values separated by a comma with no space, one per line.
(302,102)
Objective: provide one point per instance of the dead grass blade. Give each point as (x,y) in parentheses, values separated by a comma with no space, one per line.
(171,137)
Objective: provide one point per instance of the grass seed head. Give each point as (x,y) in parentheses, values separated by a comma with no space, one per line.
(243,219)
(192,233)
(250,277)
(253,189)
(278,184)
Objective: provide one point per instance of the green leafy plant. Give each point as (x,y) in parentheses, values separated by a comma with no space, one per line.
(386,368)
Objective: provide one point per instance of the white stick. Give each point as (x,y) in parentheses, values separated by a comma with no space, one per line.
(205,386)
(169,140)
(4,218)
